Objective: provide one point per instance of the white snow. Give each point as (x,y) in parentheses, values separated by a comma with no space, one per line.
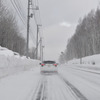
(20,79)
(19,86)
(87,60)
(87,63)
(87,83)
(6,52)
(11,62)
(23,86)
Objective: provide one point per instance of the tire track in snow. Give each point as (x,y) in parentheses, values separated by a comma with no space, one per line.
(73,89)
(33,92)
(41,91)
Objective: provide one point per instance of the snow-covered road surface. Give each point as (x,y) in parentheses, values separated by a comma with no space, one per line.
(68,84)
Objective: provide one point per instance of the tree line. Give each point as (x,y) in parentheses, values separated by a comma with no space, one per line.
(86,40)
(10,36)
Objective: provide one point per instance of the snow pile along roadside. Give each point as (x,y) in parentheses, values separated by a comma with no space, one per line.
(89,63)
(90,60)
(11,62)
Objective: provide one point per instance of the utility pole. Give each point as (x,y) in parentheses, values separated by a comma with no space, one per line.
(41,48)
(30,6)
(28,25)
(28,21)
(42,55)
(37,40)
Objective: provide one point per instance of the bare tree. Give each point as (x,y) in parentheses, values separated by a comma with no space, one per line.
(86,40)
(9,32)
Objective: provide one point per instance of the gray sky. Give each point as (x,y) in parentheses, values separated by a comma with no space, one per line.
(55,11)
(59,19)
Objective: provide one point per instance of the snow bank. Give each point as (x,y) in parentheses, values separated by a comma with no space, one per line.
(89,63)
(90,60)
(11,62)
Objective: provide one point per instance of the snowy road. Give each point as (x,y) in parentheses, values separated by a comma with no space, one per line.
(69,84)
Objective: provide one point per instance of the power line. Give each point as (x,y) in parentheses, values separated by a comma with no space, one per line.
(38,23)
(33,8)
(18,10)
(39,12)
(37,18)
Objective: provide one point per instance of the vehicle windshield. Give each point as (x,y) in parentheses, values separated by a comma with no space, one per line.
(49,62)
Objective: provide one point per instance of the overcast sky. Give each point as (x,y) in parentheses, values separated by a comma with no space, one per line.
(59,19)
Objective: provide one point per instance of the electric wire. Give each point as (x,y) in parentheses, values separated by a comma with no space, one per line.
(22,16)
(18,10)
(36,18)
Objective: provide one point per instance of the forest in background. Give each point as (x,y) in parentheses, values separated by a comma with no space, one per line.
(86,40)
